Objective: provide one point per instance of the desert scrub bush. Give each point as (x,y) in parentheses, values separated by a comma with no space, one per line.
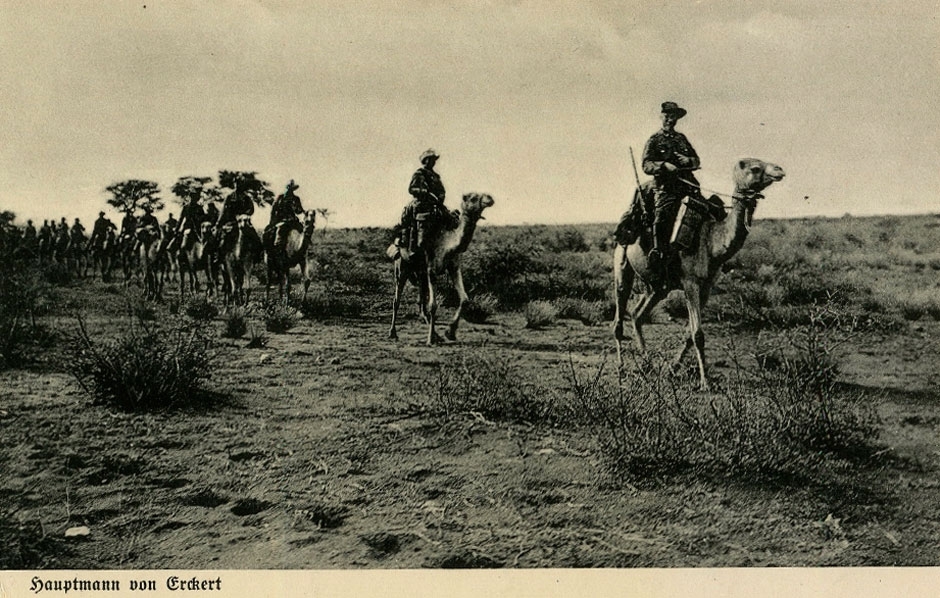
(785,421)
(256,339)
(142,309)
(565,239)
(145,368)
(481,308)
(916,305)
(323,304)
(278,317)
(23,297)
(200,309)
(474,383)
(56,273)
(235,323)
(589,313)
(501,267)
(539,314)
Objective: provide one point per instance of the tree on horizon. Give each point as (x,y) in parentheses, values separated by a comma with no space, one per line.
(129,195)
(190,188)
(248,183)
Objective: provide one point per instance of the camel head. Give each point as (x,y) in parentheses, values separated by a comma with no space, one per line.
(473,205)
(310,218)
(751,176)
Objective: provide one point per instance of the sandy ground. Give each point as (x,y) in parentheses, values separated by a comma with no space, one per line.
(322,459)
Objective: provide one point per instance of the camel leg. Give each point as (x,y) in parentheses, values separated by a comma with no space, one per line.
(457,276)
(306,269)
(695,298)
(423,300)
(401,278)
(641,312)
(432,309)
(623,286)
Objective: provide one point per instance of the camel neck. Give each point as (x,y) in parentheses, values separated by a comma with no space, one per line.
(733,231)
(462,235)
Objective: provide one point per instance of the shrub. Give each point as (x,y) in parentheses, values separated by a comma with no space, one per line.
(23,297)
(146,368)
(539,314)
(142,310)
(589,313)
(201,309)
(485,385)
(236,324)
(675,306)
(278,317)
(566,239)
(56,273)
(786,420)
(318,305)
(256,340)
(480,308)
(501,267)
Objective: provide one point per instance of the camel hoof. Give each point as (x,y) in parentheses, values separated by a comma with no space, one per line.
(392,335)
(451,336)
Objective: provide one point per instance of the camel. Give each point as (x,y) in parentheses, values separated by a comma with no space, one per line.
(128,257)
(291,248)
(196,253)
(150,260)
(238,261)
(441,254)
(61,246)
(695,270)
(102,255)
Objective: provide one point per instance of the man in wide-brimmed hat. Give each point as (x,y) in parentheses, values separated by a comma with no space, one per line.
(99,231)
(670,159)
(286,208)
(428,192)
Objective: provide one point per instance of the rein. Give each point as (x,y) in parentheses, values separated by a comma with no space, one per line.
(750,198)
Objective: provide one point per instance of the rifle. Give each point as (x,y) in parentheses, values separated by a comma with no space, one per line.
(639,187)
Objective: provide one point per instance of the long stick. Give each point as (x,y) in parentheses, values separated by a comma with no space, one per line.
(639,187)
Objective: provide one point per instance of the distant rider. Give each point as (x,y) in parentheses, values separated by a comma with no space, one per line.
(426,207)
(286,208)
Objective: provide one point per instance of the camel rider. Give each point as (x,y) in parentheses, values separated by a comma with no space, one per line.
(78,230)
(191,217)
(99,232)
(128,226)
(670,159)
(29,234)
(235,205)
(426,207)
(45,233)
(148,220)
(170,225)
(63,228)
(285,209)
(212,213)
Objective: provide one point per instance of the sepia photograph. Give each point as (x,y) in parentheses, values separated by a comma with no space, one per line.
(504,285)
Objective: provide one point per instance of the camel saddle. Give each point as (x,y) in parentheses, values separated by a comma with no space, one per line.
(426,225)
(636,224)
(279,230)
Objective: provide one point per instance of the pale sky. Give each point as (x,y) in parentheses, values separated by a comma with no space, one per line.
(534,102)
